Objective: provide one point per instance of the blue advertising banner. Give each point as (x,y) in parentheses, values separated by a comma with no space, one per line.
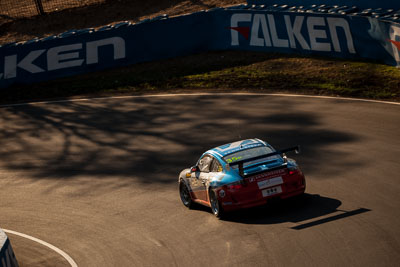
(235,28)
(359,3)
(83,51)
(308,33)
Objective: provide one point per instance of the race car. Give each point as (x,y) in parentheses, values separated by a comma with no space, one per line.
(241,174)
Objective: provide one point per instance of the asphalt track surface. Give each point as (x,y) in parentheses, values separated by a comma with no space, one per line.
(98,179)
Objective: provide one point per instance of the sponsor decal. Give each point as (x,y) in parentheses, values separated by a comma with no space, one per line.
(397,44)
(244,31)
(388,37)
(236,146)
(270,182)
(233,159)
(270,174)
(60,57)
(299,32)
(394,34)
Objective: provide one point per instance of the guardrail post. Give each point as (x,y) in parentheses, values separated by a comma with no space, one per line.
(39,7)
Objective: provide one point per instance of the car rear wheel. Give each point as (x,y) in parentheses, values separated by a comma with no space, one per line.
(215,205)
(185,195)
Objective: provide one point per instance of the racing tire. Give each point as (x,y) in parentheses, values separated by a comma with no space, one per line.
(184,193)
(216,207)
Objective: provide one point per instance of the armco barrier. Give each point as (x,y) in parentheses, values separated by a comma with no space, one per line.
(7,257)
(359,3)
(244,27)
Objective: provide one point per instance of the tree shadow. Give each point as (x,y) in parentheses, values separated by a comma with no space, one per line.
(150,140)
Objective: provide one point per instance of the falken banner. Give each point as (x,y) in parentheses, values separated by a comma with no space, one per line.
(87,51)
(221,29)
(319,34)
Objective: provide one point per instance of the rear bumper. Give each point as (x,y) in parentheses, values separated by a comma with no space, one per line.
(252,197)
(231,205)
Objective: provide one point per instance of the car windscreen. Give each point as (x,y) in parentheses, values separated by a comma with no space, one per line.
(251,153)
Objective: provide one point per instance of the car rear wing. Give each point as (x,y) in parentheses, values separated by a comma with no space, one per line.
(240,163)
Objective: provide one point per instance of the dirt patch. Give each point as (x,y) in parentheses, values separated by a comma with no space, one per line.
(99,14)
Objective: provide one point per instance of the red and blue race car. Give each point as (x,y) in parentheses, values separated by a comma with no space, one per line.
(240,175)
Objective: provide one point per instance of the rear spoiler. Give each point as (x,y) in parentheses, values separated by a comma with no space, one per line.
(278,152)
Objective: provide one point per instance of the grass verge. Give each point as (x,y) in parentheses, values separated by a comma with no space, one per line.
(226,71)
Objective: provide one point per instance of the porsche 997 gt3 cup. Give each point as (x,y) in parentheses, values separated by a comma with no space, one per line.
(240,175)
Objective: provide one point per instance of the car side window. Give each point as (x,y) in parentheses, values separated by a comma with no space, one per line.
(216,166)
(205,163)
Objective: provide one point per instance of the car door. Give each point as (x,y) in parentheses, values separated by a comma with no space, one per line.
(199,180)
(215,173)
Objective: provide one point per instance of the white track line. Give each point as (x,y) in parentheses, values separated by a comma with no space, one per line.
(59,251)
(200,94)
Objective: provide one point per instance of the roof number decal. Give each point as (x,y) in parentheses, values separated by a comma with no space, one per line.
(233,159)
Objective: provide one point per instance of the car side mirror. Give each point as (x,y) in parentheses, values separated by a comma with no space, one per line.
(195,169)
(284,157)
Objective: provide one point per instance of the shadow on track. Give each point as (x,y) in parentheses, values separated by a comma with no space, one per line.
(151,140)
(299,210)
